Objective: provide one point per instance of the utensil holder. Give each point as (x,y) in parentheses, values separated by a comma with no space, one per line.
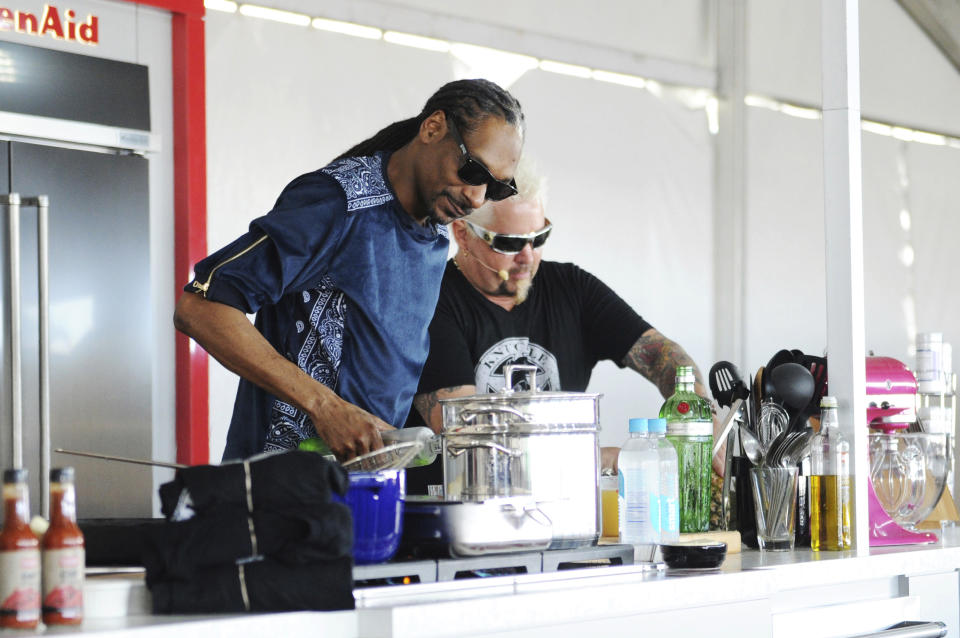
(775,501)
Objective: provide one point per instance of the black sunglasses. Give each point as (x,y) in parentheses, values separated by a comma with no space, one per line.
(476,174)
(511,244)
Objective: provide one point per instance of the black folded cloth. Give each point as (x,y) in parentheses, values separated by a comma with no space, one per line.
(222,535)
(204,559)
(270,586)
(278,481)
(116,541)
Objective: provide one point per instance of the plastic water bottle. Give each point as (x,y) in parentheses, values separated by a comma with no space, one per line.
(669,482)
(639,489)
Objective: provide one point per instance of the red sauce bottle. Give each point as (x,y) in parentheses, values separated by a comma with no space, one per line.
(63,554)
(19,557)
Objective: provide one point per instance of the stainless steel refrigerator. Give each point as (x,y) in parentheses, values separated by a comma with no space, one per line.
(98,315)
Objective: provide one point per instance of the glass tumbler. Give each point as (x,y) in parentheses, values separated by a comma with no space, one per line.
(774,501)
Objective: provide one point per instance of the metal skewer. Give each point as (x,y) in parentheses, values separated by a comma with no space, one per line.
(122,459)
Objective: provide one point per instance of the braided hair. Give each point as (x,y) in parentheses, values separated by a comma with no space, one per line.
(465,101)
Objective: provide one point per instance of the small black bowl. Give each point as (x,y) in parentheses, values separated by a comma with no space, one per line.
(700,555)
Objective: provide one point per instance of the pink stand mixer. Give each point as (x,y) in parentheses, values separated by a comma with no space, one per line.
(891,400)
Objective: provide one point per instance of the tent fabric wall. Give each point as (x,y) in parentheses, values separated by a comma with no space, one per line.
(630,173)
(904,77)
(630,190)
(679,30)
(905,80)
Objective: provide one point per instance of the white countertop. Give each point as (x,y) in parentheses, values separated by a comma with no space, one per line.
(756,593)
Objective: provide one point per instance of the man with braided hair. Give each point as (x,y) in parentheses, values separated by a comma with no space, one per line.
(344,273)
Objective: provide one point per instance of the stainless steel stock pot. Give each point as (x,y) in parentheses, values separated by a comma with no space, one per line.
(538,444)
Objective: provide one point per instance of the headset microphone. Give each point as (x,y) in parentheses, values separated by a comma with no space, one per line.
(503,274)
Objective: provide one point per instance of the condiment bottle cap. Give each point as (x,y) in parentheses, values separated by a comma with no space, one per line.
(828,402)
(61,475)
(17,475)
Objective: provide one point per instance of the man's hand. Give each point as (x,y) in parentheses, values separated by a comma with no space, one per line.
(608,458)
(227,334)
(348,430)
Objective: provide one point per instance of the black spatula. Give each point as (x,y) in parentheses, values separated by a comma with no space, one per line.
(728,390)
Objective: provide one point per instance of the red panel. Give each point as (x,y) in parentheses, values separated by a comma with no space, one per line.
(190,215)
(190,228)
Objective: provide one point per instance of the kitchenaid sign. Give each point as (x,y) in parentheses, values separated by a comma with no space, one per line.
(53,23)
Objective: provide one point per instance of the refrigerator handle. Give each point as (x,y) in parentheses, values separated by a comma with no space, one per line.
(12,203)
(42,204)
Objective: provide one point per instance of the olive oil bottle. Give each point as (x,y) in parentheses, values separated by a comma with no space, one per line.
(829,483)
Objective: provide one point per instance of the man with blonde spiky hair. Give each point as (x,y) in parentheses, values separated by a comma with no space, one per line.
(501,304)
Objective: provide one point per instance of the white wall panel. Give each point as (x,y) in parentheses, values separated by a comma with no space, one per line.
(680,30)
(784,289)
(904,78)
(935,206)
(783,49)
(630,174)
(630,179)
(887,281)
(784,300)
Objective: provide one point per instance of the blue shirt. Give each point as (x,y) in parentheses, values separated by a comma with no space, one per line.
(344,283)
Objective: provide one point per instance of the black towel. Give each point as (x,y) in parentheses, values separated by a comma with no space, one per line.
(270,586)
(304,538)
(221,535)
(116,541)
(288,479)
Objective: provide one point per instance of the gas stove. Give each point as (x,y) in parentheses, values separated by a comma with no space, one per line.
(404,572)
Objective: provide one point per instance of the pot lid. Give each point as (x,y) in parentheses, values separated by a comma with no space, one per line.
(531,410)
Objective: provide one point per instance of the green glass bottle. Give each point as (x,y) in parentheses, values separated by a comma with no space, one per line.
(690,429)
(428,442)
(315,444)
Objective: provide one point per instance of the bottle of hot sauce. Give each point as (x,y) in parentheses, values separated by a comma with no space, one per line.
(63,554)
(19,557)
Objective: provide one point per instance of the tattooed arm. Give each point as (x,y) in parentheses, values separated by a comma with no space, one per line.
(428,404)
(656,357)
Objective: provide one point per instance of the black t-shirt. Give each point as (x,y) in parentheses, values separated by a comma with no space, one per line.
(570,321)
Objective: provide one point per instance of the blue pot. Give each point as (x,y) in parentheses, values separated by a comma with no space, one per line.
(376,501)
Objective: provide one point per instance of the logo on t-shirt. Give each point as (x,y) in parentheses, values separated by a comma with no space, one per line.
(489,373)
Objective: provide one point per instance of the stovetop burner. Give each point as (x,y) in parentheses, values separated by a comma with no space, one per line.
(404,572)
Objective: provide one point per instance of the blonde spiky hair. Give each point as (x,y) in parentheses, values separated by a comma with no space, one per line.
(531,187)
